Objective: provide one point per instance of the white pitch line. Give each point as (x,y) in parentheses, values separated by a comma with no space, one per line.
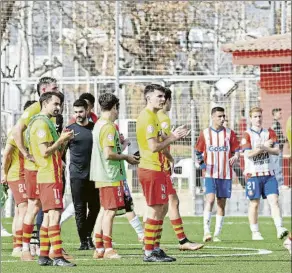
(252,252)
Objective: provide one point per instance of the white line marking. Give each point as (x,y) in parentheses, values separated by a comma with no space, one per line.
(252,252)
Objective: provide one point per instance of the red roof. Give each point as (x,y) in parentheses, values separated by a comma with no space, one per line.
(269,43)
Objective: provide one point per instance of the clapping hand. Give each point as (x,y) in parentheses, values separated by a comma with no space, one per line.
(180,132)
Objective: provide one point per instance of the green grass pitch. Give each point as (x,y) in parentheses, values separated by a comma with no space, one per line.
(236,253)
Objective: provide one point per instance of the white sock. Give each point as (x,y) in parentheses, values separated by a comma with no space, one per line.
(25,246)
(278,222)
(108,249)
(207,221)
(100,249)
(67,213)
(137,226)
(148,252)
(219,224)
(2,226)
(254,227)
(18,248)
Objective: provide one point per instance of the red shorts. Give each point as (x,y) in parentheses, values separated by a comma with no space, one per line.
(112,197)
(32,189)
(154,186)
(18,189)
(51,196)
(170,188)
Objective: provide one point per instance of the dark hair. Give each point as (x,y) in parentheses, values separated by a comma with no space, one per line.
(28,103)
(152,87)
(217,109)
(59,123)
(47,96)
(167,94)
(80,103)
(275,110)
(107,101)
(87,96)
(44,81)
(62,97)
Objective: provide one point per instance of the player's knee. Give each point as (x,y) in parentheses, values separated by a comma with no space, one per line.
(110,213)
(221,202)
(54,216)
(254,205)
(173,201)
(273,202)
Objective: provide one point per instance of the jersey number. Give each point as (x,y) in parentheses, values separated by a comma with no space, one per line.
(250,185)
(57,194)
(21,188)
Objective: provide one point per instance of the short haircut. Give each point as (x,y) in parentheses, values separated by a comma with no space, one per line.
(167,94)
(47,96)
(107,101)
(28,103)
(62,97)
(217,109)
(80,103)
(152,87)
(255,109)
(276,110)
(44,81)
(87,96)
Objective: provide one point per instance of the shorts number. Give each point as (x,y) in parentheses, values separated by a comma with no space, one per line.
(21,188)
(250,185)
(57,194)
(163,189)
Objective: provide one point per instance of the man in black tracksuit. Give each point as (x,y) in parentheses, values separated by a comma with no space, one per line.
(84,194)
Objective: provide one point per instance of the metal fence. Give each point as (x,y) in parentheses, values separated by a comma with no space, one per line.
(120,46)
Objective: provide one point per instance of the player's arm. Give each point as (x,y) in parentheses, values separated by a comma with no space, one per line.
(271,145)
(234,147)
(47,150)
(6,161)
(178,133)
(247,148)
(107,143)
(199,149)
(17,133)
(168,155)
(109,154)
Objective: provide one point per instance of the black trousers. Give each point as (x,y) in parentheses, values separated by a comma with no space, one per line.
(85,196)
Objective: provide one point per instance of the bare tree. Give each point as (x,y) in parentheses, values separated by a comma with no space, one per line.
(6,12)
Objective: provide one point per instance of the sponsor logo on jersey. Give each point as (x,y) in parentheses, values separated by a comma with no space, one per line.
(218,148)
(261,159)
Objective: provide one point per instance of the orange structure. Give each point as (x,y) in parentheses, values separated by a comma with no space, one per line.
(273,55)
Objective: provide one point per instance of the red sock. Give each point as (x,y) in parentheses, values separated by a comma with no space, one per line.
(177,225)
(98,241)
(55,240)
(18,238)
(27,233)
(44,241)
(158,235)
(107,240)
(151,228)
